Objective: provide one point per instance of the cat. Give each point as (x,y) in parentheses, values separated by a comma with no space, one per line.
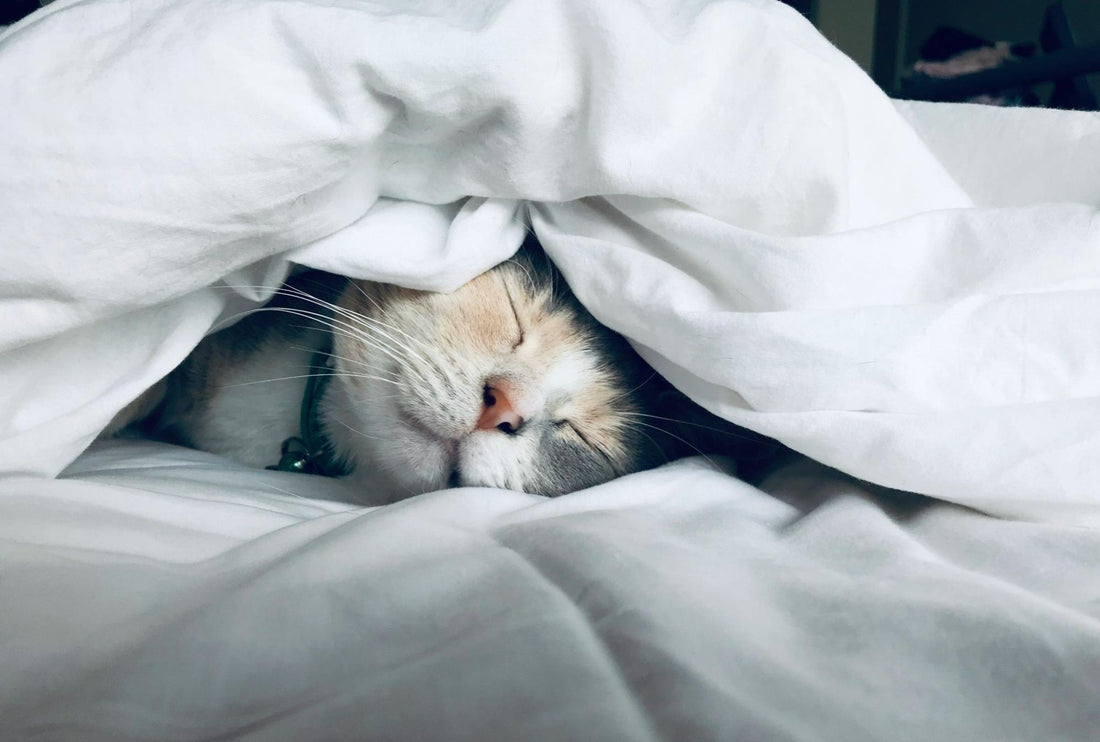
(506,382)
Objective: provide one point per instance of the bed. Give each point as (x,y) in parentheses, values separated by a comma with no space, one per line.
(905,294)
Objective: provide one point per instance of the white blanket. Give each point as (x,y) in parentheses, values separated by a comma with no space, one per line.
(906,292)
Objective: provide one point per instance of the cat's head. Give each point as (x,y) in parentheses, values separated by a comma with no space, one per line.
(506,382)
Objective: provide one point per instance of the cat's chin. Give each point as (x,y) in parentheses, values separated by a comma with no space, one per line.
(492,459)
(410,460)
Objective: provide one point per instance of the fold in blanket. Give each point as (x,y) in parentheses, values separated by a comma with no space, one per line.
(161,593)
(907,292)
(714,179)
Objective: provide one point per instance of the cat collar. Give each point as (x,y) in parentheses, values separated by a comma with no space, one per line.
(310,452)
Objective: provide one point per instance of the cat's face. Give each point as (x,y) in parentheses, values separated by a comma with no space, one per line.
(506,382)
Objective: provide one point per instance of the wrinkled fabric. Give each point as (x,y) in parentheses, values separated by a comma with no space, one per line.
(156,593)
(904,292)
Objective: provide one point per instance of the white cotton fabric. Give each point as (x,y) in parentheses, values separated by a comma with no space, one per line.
(905,292)
(161,594)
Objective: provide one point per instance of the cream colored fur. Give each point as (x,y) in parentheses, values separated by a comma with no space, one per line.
(424,361)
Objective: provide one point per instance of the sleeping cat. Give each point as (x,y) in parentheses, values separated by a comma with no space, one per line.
(506,382)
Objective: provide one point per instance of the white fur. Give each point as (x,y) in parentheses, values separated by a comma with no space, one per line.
(396,456)
(493,459)
(251,415)
(566,376)
(392,458)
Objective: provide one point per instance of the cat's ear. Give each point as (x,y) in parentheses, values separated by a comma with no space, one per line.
(689,430)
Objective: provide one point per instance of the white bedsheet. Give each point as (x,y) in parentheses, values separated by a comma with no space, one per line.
(906,292)
(162,594)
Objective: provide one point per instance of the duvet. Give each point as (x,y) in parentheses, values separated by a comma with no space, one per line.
(908,295)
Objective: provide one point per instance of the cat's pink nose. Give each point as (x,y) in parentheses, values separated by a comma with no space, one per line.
(498,411)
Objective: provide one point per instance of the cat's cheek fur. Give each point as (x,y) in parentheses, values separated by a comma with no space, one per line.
(415,462)
(391,460)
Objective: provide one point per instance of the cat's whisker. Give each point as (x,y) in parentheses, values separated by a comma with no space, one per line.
(359,368)
(382,311)
(353,337)
(352,332)
(526,272)
(302,376)
(631,392)
(689,444)
(295,292)
(360,363)
(349,375)
(357,337)
(339,327)
(357,431)
(440,381)
(371,323)
(730,433)
(403,364)
(649,438)
(321,319)
(368,297)
(375,397)
(391,350)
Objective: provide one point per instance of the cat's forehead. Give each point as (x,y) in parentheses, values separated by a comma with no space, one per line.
(509,312)
(487,313)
